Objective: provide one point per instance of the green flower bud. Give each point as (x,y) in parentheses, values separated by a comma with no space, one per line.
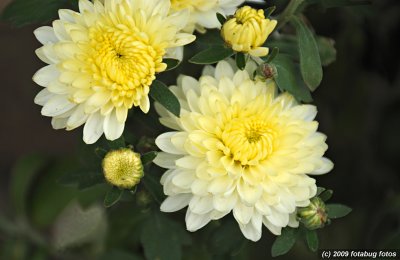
(123,168)
(314,215)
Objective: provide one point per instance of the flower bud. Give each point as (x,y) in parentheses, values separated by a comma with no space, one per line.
(123,168)
(314,215)
(268,70)
(247,30)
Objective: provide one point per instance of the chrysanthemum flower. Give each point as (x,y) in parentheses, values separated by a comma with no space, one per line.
(247,31)
(239,147)
(203,12)
(103,60)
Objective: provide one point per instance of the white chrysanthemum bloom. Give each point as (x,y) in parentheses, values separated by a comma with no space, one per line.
(240,147)
(203,13)
(103,60)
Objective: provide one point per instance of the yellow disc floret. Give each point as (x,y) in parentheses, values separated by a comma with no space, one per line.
(247,31)
(123,168)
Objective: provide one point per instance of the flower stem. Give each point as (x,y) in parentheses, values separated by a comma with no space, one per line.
(290,9)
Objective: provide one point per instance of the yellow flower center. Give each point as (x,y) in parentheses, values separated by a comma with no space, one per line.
(124,61)
(249,140)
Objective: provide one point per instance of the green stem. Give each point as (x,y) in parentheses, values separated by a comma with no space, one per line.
(289,11)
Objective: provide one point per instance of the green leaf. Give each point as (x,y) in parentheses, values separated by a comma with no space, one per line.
(162,238)
(161,93)
(326,195)
(211,37)
(23,12)
(312,240)
(284,242)
(148,157)
(272,55)
(23,173)
(171,63)
(310,62)
(320,190)
(286,78)
(116,144)
(81,179)
(269,11)
(240,60)
(218,242)
(112,196)
(221,18)
(212,55)
(327,51)
(337,210)
(153,186)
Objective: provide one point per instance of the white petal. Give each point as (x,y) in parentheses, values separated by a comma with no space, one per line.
(57,105)
(223,69)
(66,15)
(209,19)
(45,35)
(199,187)
(278,219)
(43,97)
(195,221)
(242,213)
(77,118)
(166,160)
(175,203)
(58,123)
(85,6)
(325,166)
(183,179)
(46,75)
(248,193)
(293,222)
(201,205)
(93,128)
(174,53)
(163,142)
(113,129)
(223,203)
(220,184)
(208,70)
(59,30)
(274,229)
(253,230)
(189,83)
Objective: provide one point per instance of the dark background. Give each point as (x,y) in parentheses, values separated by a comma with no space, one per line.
(359,110)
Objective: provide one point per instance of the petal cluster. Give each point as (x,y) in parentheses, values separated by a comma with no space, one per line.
(239,147)
(247,30)
(203,12)
(102,61)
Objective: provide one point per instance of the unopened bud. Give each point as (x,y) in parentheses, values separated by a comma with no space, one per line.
(247,31)
(268,70)
(123,168)
(314,215)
